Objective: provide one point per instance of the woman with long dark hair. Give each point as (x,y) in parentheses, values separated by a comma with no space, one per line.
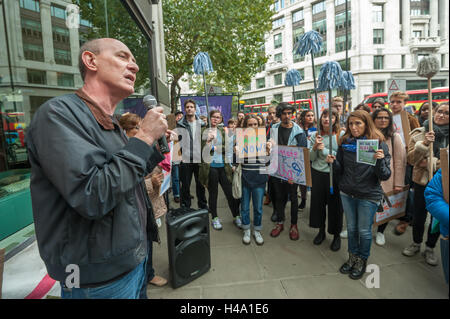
(320,174)
(383,120)
(360,187)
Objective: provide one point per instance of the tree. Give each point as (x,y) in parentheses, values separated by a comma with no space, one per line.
(232,32)
(121,27)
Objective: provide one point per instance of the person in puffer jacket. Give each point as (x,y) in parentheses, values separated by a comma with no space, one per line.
(438,208)
(360,187)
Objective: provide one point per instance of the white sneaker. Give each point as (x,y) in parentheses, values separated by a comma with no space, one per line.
(430,257)
(258,237)
(411,250)
(237,221)
(344,234)
(380,241)
(216,224)
(246,239)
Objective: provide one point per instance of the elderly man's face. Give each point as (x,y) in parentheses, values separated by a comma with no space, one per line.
(116,67)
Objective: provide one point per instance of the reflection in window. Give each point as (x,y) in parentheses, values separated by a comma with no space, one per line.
(278,79)
(58,12)
(36,76)
(31,29)
(61,35)
(63,57)
(65,79)
(32,5)
(33,52)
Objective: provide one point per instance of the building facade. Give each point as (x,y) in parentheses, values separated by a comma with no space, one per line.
(386,39)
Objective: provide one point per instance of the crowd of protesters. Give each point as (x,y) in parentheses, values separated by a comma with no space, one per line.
(359,189)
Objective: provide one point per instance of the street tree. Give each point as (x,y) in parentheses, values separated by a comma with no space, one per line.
(232,32)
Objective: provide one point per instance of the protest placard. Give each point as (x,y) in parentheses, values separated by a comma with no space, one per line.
(293,164)
(365,150)
(398,209)
(401,126)
(251,142)
(444,170)
(323,101)
(165,185)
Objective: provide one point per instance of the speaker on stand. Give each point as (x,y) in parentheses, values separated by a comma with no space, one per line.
(188,244)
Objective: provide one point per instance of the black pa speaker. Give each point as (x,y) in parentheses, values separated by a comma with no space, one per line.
(188,243)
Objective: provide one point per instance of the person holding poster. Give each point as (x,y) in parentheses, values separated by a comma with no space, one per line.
(397,102)
(216,170)
(438,208)
(418,155)
(288,133)
(383,120)
(360,187)
(253,186)
(130,124)
(320,191)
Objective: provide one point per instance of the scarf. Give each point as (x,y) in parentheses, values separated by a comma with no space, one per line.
(350,144)
(440,137)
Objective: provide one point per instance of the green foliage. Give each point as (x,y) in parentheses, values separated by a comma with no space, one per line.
(121,27)
(232,32)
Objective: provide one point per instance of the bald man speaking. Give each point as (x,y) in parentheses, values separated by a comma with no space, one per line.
(91,211)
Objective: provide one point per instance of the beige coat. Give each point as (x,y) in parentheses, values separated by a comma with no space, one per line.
(417,151)
(397,165)
(158,203)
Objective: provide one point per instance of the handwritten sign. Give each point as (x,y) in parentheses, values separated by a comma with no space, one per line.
(323,101)
(293,164)
(401,126)
(251,143)
(444,170)
(398,209)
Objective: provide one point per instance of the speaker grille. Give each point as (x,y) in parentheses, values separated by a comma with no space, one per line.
(192,258)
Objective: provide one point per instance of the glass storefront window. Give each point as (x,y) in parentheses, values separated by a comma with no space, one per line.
(52,48)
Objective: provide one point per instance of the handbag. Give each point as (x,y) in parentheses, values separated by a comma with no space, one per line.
(237,182)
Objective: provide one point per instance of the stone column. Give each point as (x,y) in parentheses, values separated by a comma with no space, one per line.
(331,29)
(406,23)
(47,32)
(434,13)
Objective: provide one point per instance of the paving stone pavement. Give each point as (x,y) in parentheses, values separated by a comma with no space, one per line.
(286,269)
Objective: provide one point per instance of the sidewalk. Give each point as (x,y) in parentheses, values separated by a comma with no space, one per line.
(283,268)
(279,269)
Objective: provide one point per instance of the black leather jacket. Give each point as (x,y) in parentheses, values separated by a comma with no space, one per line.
(361,180)
(84,182)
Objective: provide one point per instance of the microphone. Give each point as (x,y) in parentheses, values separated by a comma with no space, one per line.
(150,102)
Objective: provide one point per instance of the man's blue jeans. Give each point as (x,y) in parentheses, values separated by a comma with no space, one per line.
(175,180)
(128,287)
(359,214)
(257,194)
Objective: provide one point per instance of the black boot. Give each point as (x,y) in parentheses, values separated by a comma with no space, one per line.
(302,204)
(347,267)
(320,237)
(359,268)
(274,217)
(336,243)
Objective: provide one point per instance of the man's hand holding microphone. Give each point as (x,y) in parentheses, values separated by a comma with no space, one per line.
(154,125)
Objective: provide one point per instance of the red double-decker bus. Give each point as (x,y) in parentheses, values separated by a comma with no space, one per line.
(305,104)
